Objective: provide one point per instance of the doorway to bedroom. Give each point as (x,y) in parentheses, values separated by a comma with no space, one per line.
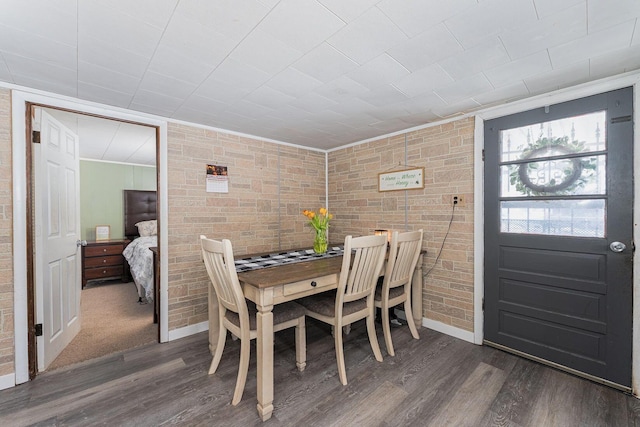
(114,313)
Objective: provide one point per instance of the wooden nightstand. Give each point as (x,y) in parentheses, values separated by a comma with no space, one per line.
(103,260)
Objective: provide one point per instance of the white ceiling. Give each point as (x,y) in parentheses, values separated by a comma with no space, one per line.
(317,73)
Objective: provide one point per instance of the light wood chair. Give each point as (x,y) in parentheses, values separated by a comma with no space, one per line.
(353,300)
(395,289)
(239,317)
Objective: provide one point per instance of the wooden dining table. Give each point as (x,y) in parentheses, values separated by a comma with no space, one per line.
(280,283)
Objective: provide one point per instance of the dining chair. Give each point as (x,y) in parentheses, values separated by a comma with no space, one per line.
(395,288)
(353,299)
(238,317)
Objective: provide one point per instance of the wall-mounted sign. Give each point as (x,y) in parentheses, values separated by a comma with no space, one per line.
(408,179)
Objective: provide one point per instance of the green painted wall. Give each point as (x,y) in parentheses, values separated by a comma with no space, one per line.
(101,197)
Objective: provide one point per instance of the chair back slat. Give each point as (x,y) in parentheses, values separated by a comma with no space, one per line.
(220,265)
(362,263)
(403,257)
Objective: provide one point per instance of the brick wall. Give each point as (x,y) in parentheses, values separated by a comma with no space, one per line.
(269,185)
(6,234)
(446,153)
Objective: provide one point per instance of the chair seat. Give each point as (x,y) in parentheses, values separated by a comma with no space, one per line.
(325,304)
(281,313)
(393,292)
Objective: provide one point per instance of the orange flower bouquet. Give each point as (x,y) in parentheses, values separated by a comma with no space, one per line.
(320,223)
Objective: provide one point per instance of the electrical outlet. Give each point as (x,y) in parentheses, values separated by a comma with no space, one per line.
(458,201)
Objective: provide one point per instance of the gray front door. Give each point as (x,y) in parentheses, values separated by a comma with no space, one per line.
(558,234)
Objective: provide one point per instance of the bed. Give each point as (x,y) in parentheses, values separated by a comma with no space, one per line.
(140,227)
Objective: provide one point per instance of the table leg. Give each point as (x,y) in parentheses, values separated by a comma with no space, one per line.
(416,293)
(264,343)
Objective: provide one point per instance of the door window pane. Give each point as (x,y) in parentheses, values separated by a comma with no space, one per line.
(578,218)
(568,176)
(579,134)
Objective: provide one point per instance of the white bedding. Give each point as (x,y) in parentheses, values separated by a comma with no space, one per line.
(140,260)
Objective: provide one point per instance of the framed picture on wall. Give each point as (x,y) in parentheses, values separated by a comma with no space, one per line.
(103,232)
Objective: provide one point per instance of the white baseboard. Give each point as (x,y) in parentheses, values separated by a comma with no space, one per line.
(188,330)
(449,330)
(441,327)
(7,381)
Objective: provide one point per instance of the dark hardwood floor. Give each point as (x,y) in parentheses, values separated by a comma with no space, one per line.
(435,381)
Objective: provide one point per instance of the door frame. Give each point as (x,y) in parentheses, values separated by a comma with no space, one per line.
(22,264)
(569,94)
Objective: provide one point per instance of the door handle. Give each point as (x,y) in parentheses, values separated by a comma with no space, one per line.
(81,243)
(617,246)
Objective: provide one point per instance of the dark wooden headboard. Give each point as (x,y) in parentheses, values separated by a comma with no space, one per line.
(139,205)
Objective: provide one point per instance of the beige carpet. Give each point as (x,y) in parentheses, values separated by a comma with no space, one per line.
(112,321)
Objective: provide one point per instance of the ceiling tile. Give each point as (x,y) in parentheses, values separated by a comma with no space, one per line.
(429,47)
(367,37)
(198,43)
(488,54)
(301,24)
(103,23)
(603,15)
(111,56)
(423,80)
(594,44)
(519,69)
(293,82)
(490,18)
(384,95)
(56,20)
(464,89)
(348,10)
(40,48)
(342,88)
(264,52)
(153,12)
(380,71)
(558,78)
(221,91)
(235,19)
(543,34)
(313,102)
(615,62)
(107,78)
(241,76)
(154,82)
(456,109)
(324,63)
(156,103)
(198,102)
(503,94)
(103,95)
(546,8)
(174,63)
(416,16)
(26,69)
(268,97)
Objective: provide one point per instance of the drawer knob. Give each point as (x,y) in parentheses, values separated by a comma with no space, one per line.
(104,261)
(314,284)
(104,250)
(104,272)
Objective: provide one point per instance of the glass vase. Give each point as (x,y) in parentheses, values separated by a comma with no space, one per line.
(320,242)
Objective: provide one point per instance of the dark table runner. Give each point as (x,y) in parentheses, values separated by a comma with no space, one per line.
(285,257)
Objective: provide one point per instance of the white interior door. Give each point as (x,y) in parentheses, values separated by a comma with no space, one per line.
(57,257)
